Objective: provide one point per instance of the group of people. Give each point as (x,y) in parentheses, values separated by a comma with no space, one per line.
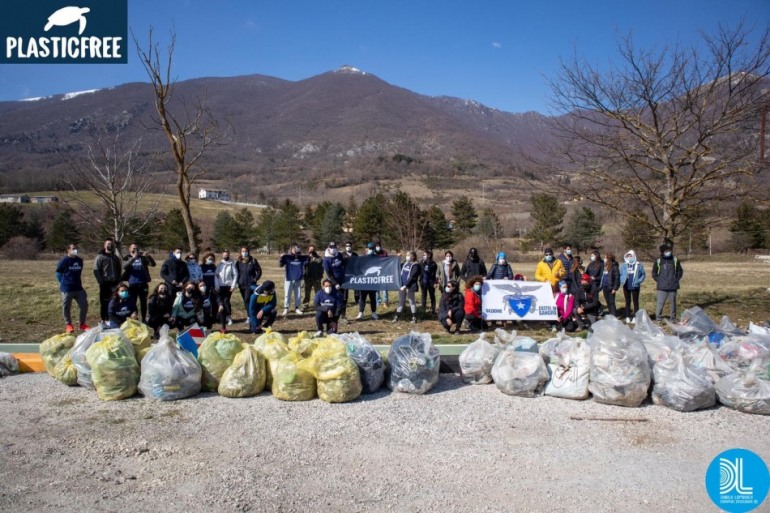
(192,292)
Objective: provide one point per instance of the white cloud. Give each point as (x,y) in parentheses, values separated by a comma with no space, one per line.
(495,44)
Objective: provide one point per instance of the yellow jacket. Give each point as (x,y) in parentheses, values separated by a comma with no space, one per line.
(552,272)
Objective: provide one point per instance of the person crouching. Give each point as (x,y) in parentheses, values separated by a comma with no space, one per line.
(262,307)
(327,305)
(451,310)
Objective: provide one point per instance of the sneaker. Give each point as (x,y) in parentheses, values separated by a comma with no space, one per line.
(319,333)
(553,329)
(298,311)
(395,319)
(285,312)
(628,320)
(84,327)
(375,316)
(414,320)
(70,328)
(229,321)
(360,316)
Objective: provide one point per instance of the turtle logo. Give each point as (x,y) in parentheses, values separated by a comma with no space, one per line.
(373,270)
(67,16)
(519,302)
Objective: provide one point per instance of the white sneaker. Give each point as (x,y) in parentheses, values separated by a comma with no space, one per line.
(553,329)
(628,320)
(298,311)
(375,316)
(319,333)
(229,321)
(633,321)
(285,312)
(360,316)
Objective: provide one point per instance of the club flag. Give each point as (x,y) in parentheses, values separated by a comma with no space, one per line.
(372,272)
(191,338)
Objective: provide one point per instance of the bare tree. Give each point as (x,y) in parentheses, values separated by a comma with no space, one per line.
(118,178)
(405,221)
(190,130)
(672,132)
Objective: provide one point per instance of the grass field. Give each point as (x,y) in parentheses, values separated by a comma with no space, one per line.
(30,307)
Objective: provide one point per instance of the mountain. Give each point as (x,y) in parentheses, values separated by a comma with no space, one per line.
(340,128)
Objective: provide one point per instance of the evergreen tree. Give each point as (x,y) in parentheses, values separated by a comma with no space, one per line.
(288,225)
(246,228)
(172,232)
(584,230)
(638,232)
(267,229)
(225,234)
(63,231)
(369,223)
(548,215)
(331,226)
(489,225)
(750,228)
(350,215)
(440,235)
(464,215)
(11,222)
(308,216)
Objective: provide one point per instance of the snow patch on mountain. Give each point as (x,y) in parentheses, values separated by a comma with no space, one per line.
(350,70)
(70,96)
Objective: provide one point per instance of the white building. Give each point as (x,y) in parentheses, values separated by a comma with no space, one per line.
(214,194)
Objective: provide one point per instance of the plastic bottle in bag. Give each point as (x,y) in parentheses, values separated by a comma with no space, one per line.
(53,349)
(114,369)
(370,364)
(681,386)
(476,362)
(78,354)
(215,355)
(168,371)
(414,363)
(569,369)
(246,376)
(620,372)
(745,392)
(702,355)
(519,373)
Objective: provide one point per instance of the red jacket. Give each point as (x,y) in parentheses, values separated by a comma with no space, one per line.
(565,304)
(472,304)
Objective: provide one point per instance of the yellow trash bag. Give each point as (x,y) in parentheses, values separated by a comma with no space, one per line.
(337,375)
(292,381)
(303,344)
(140,336)
(54,349)
(215,355)
(114,370)
(246,376)
(65,371)
(273,347)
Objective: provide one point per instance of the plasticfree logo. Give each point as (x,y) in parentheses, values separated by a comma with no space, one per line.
(64,31)
(737,481)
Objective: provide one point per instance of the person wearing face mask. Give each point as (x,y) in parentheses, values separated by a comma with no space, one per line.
(187,307)
(160,304)
(610,282)
(211,308)
(667,272)
(565,307)
(473,266)
(347,255)
(174,272)
(334,267)
(568,263)
(383,297)
(262,307)
(194,271)
(69,272)
(294,263)
(501,270)
(410,277)
(371,295)
(107,270)
(428,277)
(121,307)
(249,273)
(209,270)
(472,304)
(314,272)
(136,270)
(632,276)
(595,268)
(225,282)
(327,306)
(550,270)
(448,270)
(588,306)
(451,309)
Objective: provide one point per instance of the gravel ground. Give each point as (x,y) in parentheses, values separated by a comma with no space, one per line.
(458,448)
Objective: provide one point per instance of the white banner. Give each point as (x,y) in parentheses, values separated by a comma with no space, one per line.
(506,300)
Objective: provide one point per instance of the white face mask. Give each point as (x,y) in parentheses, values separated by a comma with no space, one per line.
(501,261)
(667,254)
(328,290)
(447,289)
(378,249)
(178,256)
(408,259)
(564,290)
(203,290)
(448,260)
(369,252)
(348,249)
(568,252)
(477,287)
(209,261)
(593,258)
(74,252)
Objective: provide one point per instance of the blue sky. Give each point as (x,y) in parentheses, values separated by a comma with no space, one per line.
(495,52)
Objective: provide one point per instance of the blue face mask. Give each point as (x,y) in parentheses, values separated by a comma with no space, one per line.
(477,287)
(123,294)
(549,258)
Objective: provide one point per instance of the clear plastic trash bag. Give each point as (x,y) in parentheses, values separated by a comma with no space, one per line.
(476,361)
(246,376)
(519,373)
(727,327)
(371,366)
(140,336)
(745,352)
(681,386)
(620,372)
(168,371)
(9,365)
(114,369)
(693,324)
(702,355)
(414,363)
(569,369)
(215,355)
(516,342)
(78,354)
(745,392)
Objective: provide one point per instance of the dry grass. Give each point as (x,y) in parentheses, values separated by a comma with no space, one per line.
(30,306)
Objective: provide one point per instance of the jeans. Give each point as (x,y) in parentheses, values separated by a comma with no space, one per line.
(382,297)
(81,298)
(291,288)
(664,295)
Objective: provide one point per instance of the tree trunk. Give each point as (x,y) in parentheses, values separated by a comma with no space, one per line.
(184,199)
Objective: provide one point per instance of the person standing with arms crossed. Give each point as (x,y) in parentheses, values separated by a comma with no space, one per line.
(136,271)
(107,270)
(68,273)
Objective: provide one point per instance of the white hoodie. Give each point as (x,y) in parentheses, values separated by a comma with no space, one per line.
(226,274)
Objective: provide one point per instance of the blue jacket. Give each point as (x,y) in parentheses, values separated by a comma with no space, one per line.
(325,302)
(334,267)
(119,310)
(636,278)
(500,272)
(258,302)
(68,273)
(295,266)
